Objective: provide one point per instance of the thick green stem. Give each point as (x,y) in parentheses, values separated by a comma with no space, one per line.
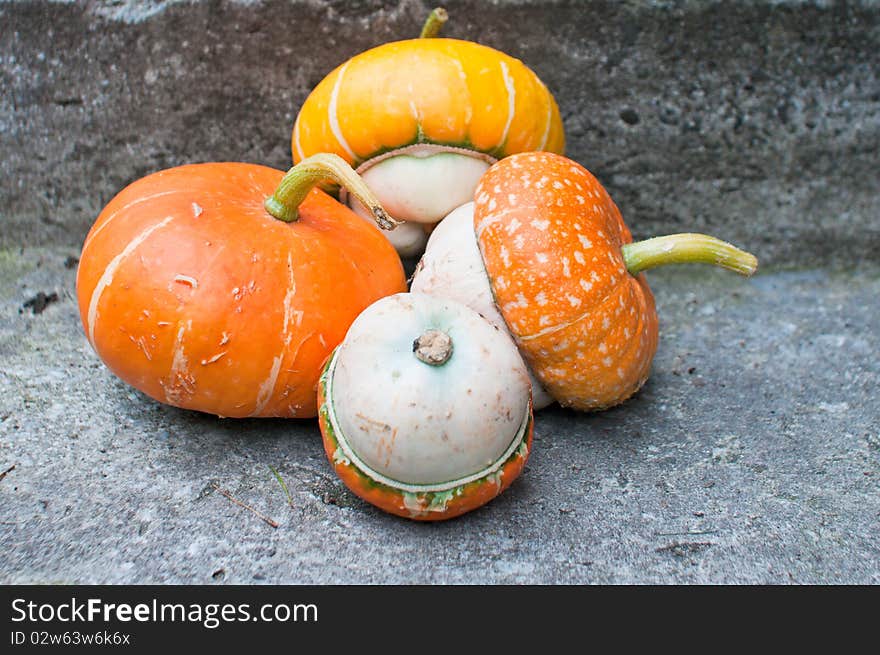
(302,178)
(436,19)
(687,249)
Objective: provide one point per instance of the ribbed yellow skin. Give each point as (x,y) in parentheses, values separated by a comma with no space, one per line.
(441,91)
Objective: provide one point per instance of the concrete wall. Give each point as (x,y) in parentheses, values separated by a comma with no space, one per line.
(756,121)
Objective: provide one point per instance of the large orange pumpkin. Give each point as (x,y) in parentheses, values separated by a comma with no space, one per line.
(193,293)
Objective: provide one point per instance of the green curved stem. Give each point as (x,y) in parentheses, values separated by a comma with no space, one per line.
(687,249)
(436,19)
(302,178)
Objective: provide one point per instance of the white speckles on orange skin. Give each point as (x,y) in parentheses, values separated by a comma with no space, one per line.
(213,359)
(540,225)
(576,288)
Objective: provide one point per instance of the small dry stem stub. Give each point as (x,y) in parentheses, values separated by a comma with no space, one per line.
(384,220)
(433,347)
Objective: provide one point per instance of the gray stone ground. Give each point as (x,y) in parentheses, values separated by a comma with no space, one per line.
(752,454)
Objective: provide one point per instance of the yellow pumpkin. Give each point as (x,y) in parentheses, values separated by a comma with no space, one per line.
(421,120)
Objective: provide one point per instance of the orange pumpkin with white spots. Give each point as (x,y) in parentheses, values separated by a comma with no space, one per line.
(549,249)
(193,292)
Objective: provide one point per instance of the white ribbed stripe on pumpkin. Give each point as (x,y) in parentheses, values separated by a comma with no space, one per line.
(125,208)
(334,119)
(267,388)
(548,119)
(264,393)
(511,101)
(107,277)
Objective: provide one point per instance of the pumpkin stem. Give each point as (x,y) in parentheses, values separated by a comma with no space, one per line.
(302,178)
(687,249)
(436,19)
(433,347)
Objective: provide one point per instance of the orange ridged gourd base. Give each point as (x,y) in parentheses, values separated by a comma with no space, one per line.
(551,238)
(438,91)
(191,292)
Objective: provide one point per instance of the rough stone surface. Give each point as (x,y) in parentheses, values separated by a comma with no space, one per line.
(759,121)
(751,456)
